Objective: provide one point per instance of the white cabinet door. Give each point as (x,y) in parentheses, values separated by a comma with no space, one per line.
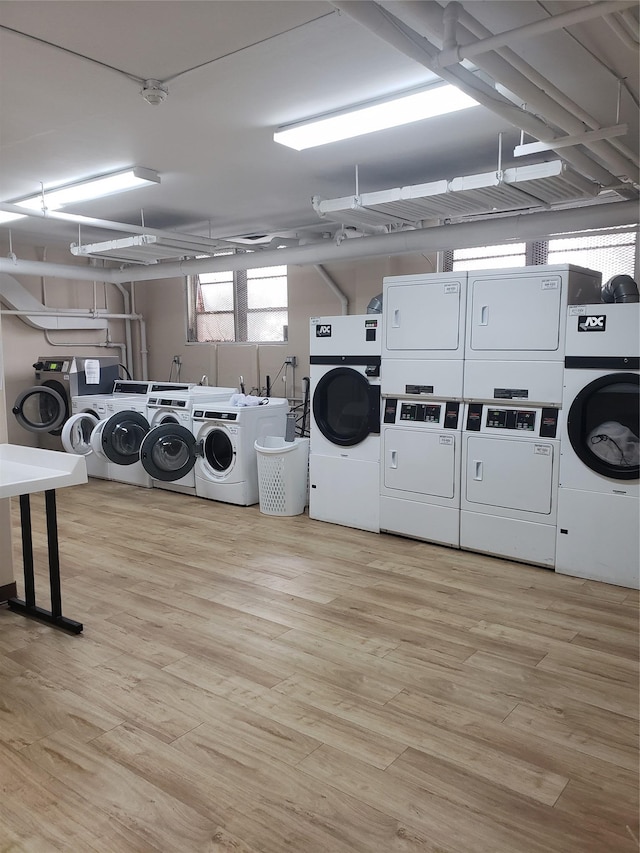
(424,316)
(419,461)
(509,473)
(515,313)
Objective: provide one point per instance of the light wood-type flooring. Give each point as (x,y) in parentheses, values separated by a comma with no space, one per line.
(251,684)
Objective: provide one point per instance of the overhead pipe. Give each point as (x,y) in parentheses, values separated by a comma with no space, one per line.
(392,30)
(535,90)
(453,55)
(523,226)
(527,84)
(344,302)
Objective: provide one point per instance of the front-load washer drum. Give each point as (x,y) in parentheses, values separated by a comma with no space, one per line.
(603,426)
(76,433)
(346,408)
(168,452)
(219,452)
(41,408)
(121,437)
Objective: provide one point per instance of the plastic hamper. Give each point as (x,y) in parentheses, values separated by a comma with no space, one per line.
(283,473)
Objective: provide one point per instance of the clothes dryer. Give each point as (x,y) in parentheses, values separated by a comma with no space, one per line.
(222,452)
(165,449)
(510,460)
(423,335)
(515,331)
(344,459)
(420,469)
(599,495)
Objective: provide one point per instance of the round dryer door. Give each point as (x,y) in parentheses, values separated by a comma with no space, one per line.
(346,407)
(168,452)
(603,426)
(42,408)
(121,437)
(76,433)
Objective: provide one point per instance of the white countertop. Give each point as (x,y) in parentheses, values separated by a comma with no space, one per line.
(24,470)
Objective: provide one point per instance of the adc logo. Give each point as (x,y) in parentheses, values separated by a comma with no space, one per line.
(592,323)
(323,330)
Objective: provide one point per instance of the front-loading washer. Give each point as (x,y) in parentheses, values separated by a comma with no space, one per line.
(344,458)
(223,450)
(86,412)
(420,469)
(510,461)
(599,495)
(165,450)
(118,438)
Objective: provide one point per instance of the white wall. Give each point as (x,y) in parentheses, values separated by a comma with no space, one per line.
(6,561)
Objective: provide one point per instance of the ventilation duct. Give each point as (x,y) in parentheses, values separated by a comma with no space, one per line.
(620,288)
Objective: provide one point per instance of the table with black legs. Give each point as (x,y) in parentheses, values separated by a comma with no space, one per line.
(23,471)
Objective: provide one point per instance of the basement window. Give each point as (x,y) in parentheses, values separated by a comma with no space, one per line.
(246,305)
(490,257)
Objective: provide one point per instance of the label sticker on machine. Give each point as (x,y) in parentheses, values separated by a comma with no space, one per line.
(323,330)
(511,393)
(418,389)
(542,449)
(577,309)
(550,283)
(592,323)
(451,288)
(446,439)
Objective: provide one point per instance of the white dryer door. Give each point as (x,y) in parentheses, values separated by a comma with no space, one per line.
(423,316)
(419,461)
(76,433)
(510,474)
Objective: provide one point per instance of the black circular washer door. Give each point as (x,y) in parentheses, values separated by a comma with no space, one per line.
(346,407)
(603,425)
(168,452)
(41,408)
(122,437)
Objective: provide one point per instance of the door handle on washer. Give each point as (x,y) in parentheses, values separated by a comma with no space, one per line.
(394,458)
(478,467)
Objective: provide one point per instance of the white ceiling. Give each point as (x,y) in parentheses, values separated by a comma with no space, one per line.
(262,64)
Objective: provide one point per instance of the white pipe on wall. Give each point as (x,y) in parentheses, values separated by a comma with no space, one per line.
(344,302)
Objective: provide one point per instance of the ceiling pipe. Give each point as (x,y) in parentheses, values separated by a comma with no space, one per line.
(621,31)
(392,30)
(428,20)
(344,302)
(537,28)
(521,227)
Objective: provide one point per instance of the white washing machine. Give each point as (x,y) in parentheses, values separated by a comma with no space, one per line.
(420,469)
(423,335)
(118,436)
(515,331)
(510,461)
(344,458)
(599,494)
(222,452)
(86,412)
(165,449)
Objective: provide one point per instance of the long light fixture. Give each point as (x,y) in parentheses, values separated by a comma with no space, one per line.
(92,188)
(436,100)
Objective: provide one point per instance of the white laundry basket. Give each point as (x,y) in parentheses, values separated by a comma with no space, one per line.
(283,475)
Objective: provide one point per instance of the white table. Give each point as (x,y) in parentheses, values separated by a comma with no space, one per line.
(23,471)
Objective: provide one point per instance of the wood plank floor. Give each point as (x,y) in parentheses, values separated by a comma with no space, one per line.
(249,684)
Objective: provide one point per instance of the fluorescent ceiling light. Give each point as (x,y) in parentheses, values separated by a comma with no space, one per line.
(367,118)
(92,188)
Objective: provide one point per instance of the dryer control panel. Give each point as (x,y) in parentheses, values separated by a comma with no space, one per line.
(542,422)
(444,414)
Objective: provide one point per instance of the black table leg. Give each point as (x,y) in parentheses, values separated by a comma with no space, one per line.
(28,607)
